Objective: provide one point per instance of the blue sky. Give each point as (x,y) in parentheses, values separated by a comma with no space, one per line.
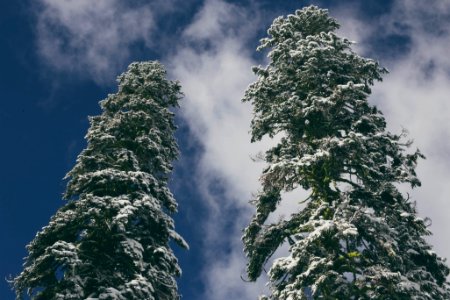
(60,57)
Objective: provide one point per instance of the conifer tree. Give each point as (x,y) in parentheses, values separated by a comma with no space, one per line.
(111,238)
(358,236)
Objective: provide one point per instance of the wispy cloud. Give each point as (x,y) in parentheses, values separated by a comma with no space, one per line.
(91,37)
(214,66)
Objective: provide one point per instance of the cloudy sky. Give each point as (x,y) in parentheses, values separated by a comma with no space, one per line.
(60,57)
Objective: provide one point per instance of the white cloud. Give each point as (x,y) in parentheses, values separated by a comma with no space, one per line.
(214,79)
(219,19)
(91,37)
(214,67)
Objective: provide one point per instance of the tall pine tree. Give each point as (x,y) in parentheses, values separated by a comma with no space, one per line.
(357,237)
(111,239)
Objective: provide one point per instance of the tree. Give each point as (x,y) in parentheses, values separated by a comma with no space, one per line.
(358,236)
(111,238)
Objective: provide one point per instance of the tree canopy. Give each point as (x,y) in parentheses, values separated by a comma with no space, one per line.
(358,236)
(111,238)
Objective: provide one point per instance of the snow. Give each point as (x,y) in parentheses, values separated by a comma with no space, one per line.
(350,231)
(118,192)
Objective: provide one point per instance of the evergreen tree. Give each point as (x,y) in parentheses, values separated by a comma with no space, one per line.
(111,239)
(357,236)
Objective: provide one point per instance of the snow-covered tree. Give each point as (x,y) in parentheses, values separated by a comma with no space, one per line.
(111,239)
(357,236)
